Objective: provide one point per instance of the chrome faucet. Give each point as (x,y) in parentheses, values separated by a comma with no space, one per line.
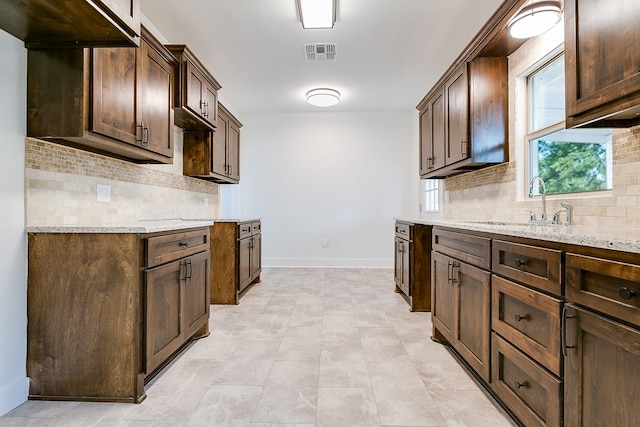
(543,193)
(568,209)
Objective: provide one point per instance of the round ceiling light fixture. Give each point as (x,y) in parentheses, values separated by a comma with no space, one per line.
(323,97)
(535,19)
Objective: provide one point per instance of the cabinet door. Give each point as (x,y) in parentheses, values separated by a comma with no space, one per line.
(114,97)
(472,317)
(196,292)
(438,134)
(457,129)
(397,261)
(244,263)
(155,101)
(163,326)
(210,104)
(219,147)
(233,152)
(426,140)
(602,58)
(602,367)
(196,84)
(402,265)
(256,256)
(443,295)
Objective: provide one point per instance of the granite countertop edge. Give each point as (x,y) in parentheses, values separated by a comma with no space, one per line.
(626,239)
(143,226)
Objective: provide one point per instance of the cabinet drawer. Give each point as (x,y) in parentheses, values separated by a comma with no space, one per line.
(529,391)
(169,247)
(404,230)
(256,228)
(610,287)
(529,320)
(537,267)
(471,249)
(245,229)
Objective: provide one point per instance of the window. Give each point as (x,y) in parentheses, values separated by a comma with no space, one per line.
(430,195)
(568,160)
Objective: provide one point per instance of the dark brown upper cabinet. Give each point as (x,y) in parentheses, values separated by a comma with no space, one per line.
(112,101)
(214,155)
(196,92)
(602,63)
(463,122)
(77,23)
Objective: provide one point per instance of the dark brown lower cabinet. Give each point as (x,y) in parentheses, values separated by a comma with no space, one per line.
(461,304)
(107,310)
(412,271)
(236,259)
(602,371)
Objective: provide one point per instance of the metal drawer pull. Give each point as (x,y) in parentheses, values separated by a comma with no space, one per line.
(519,317)
(626,293)
(519,262)
(519,384)
(183,244)
(563,331)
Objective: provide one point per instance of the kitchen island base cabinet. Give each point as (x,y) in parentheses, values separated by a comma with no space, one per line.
(412,264)
(105,313)
(236,259)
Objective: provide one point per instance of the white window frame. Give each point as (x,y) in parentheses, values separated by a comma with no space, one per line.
(430,195)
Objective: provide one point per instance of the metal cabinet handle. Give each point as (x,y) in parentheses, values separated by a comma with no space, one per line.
(189,269)
(519,263)
(464,149)
(626,293)
(141,127)
(519,317)
(183,244)
(519,384)
(563,331)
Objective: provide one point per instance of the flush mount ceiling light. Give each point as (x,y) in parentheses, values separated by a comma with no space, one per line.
(317,13)
(534,19)
(323,97)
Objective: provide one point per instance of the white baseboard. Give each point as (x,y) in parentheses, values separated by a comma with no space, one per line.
(327,262)
(13,395)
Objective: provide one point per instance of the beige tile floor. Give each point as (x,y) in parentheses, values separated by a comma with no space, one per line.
(305,347)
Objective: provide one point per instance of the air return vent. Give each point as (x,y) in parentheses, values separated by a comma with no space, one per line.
(320,52)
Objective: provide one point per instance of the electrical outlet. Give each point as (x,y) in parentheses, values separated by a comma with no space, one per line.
(103,193)
(325,243)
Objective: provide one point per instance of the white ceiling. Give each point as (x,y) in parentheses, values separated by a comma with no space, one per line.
(390,52)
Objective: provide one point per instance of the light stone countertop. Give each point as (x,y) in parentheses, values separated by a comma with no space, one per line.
(236,219)
(143,226)
(617,238)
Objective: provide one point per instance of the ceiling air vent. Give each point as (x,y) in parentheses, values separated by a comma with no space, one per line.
(320,52)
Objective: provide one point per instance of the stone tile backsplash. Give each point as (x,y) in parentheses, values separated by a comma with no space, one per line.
(61,189)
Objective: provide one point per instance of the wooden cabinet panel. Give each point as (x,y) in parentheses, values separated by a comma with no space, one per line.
(197,292)
(471,249)
(413,264)
(602,61)
(105,100)
(401,259)
(602,367)
(164,328)
(219,150)
(531,393)
(443,297)
(244,264)
(603,285)
(432,134)
(529,320)
(256,256)
(233,151)
(170,247)
(76,23)
(532,265)
(457,116)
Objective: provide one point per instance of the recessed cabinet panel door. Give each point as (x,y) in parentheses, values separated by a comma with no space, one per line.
(233,152)
(164,304)
(443,296)
(196,298)
(473,322)
(210,98)
(438,131)
(457,93)
(426,140)
(114,101)
(219,148)
(156,83)
(256,256)
(244,267)
(602,368)
(398,261)
(195,89)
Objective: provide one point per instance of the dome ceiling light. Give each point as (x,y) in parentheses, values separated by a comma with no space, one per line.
(535,19)
(323,97)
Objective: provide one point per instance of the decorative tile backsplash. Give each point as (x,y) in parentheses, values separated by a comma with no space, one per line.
(61,189)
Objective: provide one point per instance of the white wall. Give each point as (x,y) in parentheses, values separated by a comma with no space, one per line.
(342,177)
(13,252)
